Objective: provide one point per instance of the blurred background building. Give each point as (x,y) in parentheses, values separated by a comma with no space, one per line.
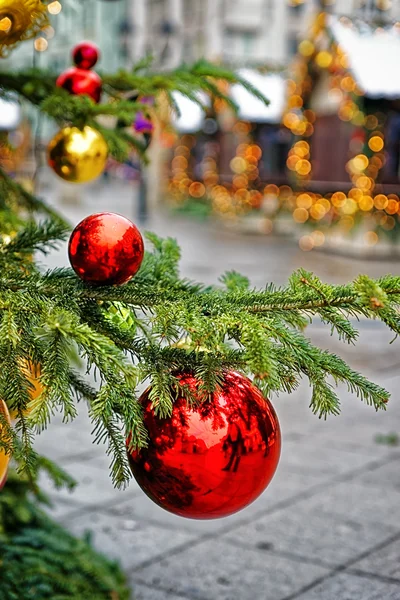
(236,32)
(333,124)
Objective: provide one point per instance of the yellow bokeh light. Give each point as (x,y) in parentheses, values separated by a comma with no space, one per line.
(318,238)
(300,128)
(290,120)
(238,165)
(5,24)
(306,48)
(306,243)
(291,86)
(347,112)
(338,199)
(392,207)
(300,215)
(348,84)
(41,44)
(271,190)
(350,207)
(376,143)
(266,226)
(324,59)
(54,8)
(179,163)
(318,211)
(356,194)
(295,101)
(358,118)
(365,183)
(49,32)
(360,162)
(366,203)
(197,189)
(304,201)
(254,152)
(371,122)
(240,181)
(384,4)
(371,238)
(381,201)
(292,162)
(303,167)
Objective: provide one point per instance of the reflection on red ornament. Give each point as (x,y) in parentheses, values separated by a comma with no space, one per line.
(212,459)
(85,55)
(81,82)
(106,249)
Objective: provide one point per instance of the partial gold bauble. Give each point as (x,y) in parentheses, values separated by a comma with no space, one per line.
(32,372)
(20,20)
(4,458)
(78,156)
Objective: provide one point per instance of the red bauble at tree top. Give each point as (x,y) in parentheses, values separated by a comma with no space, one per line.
(85,55)
(211,459)
(81,82)
(106,249)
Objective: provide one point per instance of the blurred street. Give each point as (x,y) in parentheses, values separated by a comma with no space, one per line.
(327,528)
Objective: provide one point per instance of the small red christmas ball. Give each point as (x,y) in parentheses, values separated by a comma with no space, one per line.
(85,55)
(106,249)
(211,459)
(81,82)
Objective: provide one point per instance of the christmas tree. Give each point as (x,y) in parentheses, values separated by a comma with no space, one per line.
(129,317)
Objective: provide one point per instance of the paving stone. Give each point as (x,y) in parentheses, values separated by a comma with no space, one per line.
(61,441)
(350,587)
(142,592)
(286,484)
(130,541)
(312,533)
(364,503)
(384,478)
(336,523)
(63,511)
(94,487)
(307,455)
(214,569)
(384,562)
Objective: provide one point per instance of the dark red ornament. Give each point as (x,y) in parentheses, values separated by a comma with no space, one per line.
(81,82)
(212,459)
(85,55)
(106,249)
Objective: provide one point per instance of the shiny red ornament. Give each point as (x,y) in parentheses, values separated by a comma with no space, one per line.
(85,55)
(106,249)
(81,82)
(212,459)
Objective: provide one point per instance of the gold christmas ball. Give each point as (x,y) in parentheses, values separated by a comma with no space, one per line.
(32,372)
(20,20)
(4,458)
(78,156)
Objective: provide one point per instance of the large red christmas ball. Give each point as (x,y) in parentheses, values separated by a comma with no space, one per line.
(210,459)
(81,82)
(85,55)
(106,249)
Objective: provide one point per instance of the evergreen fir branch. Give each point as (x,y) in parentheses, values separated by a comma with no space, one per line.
(41,237)
(235,281)
(58,476)
(12,191)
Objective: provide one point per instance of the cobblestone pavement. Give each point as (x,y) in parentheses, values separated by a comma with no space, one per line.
(327,528)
